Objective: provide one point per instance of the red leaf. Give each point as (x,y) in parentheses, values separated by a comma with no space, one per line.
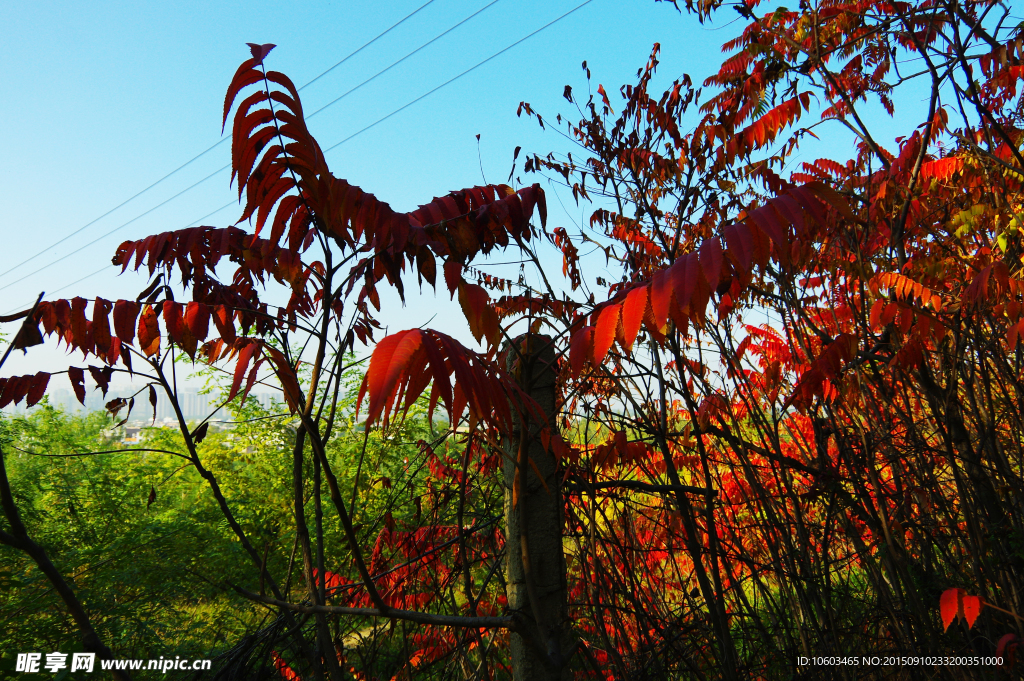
(580,349)
(809,203)
(442,388)
(483,320)
(38,387)
(260,52)
(971,606)
(245,75)
(126,357)
(77,377)
(1007,649)
(102,377)
(387,366)
(152,496)
(172,320)
(605,331)
(245,356)
(452,275)
(289,381)
(426,266)
(949,606)
(197,319)
(9,388)
(633,315)
(875,318)
(711,261)
(685,281)
(125,312)
(223,319)
(28,336)
(100,326)
(833,198)
(739,242)
(152,400)
(79,325)
(661,298)
(199,434)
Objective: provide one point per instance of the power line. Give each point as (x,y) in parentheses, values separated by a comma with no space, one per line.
(394,64)
(357,51)
(199,155)
(219,170)
(452,80)
(105,268)
(427,94)
(350,137)
(120,205)
(104,236)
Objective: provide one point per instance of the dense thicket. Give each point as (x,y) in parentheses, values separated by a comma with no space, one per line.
(841,480)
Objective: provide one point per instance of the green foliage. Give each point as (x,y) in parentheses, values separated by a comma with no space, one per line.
(155,577)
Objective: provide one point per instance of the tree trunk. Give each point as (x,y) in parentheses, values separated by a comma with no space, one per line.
(535,562)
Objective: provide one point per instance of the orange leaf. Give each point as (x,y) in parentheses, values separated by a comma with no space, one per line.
(149,332)
(633,314)
(875,321)
(604,332)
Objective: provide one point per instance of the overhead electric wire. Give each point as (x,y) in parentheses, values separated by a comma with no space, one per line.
(223,168)
(353,135)
(427,94)
(105,268)
(452,80)
(200,154)
(394,64)
(401,21)
(104,236)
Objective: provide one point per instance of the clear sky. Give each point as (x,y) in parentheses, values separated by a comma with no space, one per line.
(103,99)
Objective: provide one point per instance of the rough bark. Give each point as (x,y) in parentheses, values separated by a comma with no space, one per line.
(535,561)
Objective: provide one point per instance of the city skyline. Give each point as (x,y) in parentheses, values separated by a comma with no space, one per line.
(194,405)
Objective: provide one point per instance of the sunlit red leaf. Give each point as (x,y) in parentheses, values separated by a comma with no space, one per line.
(245,356)
(605,331)
(950,605)
(149,332)
(633,315)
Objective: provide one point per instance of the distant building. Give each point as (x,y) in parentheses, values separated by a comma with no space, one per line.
(132,435)
(194,405)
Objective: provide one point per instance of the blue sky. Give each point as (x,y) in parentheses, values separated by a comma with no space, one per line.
(103,99)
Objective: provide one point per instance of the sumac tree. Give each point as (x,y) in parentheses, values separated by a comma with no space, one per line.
(728,496)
